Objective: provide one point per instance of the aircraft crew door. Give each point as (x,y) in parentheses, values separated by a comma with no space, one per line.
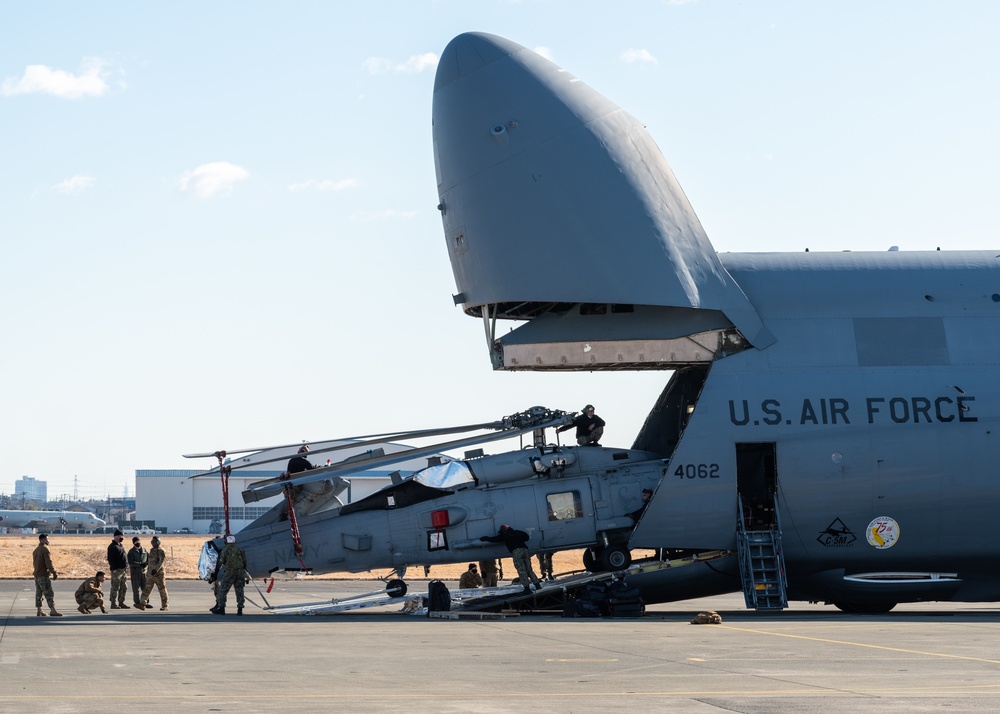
(566,516)
(757,483)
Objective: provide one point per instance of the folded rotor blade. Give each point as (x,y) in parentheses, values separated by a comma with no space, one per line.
(271,487)
(356,444)
(388,434)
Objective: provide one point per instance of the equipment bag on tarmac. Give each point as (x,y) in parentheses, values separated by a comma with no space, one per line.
(438,596)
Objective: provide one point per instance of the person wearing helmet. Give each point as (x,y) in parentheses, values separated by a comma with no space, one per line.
(299,463)
(233,562)
(517,543)
(155,576)
(589,427)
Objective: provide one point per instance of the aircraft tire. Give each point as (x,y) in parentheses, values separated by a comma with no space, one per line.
(615,557)
(868,608)
(396,585)
(592,560)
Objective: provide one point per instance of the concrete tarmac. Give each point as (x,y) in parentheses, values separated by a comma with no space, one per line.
(918,658)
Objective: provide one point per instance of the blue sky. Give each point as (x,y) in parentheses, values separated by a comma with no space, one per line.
(218,219)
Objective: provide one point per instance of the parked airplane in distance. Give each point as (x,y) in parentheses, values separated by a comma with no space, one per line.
(73,520)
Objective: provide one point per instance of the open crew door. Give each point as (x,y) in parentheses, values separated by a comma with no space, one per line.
(756,483)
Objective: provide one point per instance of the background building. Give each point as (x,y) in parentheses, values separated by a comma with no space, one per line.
(174,500)
(30,489)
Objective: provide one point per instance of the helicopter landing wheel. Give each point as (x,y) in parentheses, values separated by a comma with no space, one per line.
(616,557)
(396,588)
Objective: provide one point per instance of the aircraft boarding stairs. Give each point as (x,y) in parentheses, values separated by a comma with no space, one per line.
(762,565)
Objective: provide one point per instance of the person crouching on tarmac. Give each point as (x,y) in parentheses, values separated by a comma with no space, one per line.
(517,543)
(233,562)
(89,595)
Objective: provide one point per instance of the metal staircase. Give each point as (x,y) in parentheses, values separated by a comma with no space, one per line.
(762,566)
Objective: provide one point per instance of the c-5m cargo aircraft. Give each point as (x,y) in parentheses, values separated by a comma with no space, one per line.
(837,408)
(829,418)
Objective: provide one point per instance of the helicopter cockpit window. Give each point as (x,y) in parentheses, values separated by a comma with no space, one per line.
(427,484)
(564,506)
(450,474)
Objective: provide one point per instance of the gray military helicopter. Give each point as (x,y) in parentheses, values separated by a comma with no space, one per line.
(832,417)
(565,497)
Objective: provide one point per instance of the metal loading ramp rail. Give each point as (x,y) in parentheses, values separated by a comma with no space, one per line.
(377,598)
(553,594)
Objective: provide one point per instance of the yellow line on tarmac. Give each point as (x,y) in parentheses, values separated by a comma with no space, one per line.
(859,644)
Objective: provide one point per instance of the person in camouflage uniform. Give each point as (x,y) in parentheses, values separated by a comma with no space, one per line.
(491,573)
(89,595)
(233,562)
(155,575)
(43,582)
(545,565)
(118,565)
(137,561)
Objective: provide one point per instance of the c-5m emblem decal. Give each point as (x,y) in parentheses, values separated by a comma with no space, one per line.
(836,535)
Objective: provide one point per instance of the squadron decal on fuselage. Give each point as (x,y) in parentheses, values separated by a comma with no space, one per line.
(836,410)
(836,535)
(883,532)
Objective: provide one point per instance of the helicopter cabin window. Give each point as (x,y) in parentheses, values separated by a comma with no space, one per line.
(564,506)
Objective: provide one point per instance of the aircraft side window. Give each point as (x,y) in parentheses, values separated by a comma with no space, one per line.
(564,506)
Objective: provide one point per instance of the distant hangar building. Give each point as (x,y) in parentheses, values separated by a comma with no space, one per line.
(174,500)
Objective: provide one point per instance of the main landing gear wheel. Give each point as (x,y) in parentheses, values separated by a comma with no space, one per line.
(591,561)
(615,557)
(396,588)
(866,608)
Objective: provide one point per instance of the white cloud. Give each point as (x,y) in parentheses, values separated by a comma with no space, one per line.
(643,56)
(412,65)
(75,184)
(388,213)
(215,178)
(89,82)
(544,52)
(324,185)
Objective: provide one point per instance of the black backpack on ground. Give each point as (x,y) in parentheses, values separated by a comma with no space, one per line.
(438,597)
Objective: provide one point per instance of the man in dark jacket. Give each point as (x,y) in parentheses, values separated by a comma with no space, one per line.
(299,463)
(589,427)
(118,565)
(516,542)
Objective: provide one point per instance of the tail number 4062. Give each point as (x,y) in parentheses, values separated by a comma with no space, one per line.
(697,471)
